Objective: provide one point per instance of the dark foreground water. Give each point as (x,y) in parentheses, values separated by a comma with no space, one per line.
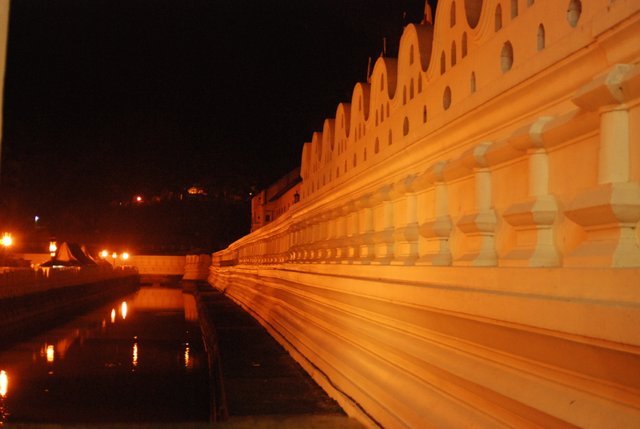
(137,359)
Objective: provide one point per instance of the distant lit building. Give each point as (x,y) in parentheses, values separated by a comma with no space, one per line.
(271,203)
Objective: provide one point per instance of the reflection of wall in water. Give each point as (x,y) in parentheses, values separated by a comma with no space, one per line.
(154,298)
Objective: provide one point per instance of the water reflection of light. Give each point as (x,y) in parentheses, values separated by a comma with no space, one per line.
(4,387)
(123,310)
(134,359)
(188,363)
(113,315)
(4,383)
(50,353)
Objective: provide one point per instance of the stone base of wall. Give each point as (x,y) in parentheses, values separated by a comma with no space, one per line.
(457,346)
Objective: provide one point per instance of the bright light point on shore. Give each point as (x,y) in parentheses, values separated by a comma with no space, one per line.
(113,315)
(114,255)
(53,247)
(50,353)
(104,254)
(138,198)
(4,383)
(195,190)
(6,240)
(125,256)
(36,218)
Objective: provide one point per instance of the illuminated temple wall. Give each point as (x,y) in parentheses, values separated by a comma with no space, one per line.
(465,252)
(4,31)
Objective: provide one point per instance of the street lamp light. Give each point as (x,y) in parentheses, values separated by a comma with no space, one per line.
(7,240)
(53,248)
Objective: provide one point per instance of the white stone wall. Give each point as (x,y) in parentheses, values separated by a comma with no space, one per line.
(17,282)
(145,264)
(480,268)
(4,32)
(158,265)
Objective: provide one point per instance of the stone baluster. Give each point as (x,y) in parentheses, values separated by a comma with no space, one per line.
(314,243)
(383,225)
(279,257)
(533,218)
(435,231)
(323,243)
(406,228)
(479,226)
(305,237)
(292,243)
(301,241)
(353,233)
(341,233)
(365,230)
(609,212)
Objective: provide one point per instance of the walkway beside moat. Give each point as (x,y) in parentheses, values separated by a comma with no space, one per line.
(258,383)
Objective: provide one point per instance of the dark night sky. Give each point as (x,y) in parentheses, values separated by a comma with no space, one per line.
(108,98)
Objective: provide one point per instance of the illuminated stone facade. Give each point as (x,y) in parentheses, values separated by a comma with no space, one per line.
(4,31)
(465,252)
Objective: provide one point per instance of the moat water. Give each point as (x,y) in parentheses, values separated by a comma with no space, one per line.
(137,359)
